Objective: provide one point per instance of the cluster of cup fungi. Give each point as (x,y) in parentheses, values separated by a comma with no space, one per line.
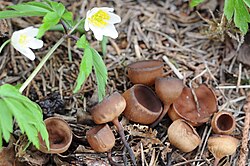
(151,97)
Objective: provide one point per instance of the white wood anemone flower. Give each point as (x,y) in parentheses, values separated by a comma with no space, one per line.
(23,40)
(101,21)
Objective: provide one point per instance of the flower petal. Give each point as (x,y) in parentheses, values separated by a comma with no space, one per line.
(35,43)
(98,33)
(92,12)
(26,52)
(110,31)
(106,9)
(29,31)
(114,18)
(15,37)
(86,23)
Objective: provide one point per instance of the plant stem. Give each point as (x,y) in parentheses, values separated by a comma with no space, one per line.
(44,60)
(121,133)
(4,44)
(40,65)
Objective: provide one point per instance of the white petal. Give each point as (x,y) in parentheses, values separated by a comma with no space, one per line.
(110,31)
(15,38)
(35,43)
(98,36)
(86,23)
(26,52)
(106,9)
(30,31)
(114,18)
(92,12)
(98,32)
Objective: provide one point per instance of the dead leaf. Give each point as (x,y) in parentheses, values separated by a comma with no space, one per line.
(244,56)
(7,154)
(148,136)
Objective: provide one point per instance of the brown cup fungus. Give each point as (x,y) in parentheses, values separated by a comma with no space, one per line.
(143,106)
(60,136)
(108,111)
(145,72)
(101,138)
(221,146)
(168,90)
(183,136)
(223,123)
(185,106)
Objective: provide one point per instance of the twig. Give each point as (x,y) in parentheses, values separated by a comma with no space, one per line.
(233,87)
(239,77)
(175,70)
(244,148)
(137,48)
(142,156)
(192,90)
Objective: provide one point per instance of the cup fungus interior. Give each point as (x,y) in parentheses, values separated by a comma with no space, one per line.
(59,134)
(146,64)
(225,122)
(147,98)
(185,105)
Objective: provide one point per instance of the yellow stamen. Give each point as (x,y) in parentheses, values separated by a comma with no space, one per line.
(23,40)
(99,19)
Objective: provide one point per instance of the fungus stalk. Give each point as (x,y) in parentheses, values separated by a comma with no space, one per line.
(121,133)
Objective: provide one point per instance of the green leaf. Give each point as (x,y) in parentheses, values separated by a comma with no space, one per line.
(6,121)
(49,20)
(82,42)
(25,10)
(68,16)
(29,8)
(27,114)
(85,68)
(41,5)
(1,139)
(101,74)
(194,3)
(229,9)
(58,8)
(241,16)
(104,45)
(13,14)
(247,2)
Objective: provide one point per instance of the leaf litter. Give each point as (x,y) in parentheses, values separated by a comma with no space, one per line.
(193,42)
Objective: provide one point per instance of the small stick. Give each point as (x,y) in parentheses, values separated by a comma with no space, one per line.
(244,149)
(239,77)
(233,87)
(192,90)
(175,70)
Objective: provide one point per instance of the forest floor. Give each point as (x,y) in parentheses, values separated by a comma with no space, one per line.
(198,42)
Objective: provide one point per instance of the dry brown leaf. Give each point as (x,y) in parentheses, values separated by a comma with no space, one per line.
(148,136)
(244,56)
